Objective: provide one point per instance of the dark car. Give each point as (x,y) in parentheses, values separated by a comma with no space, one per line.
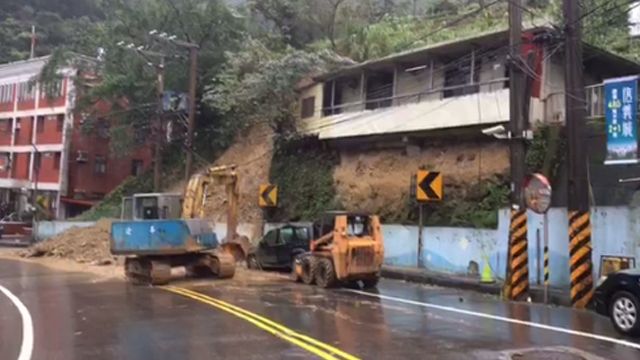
(618,297)
(279,247)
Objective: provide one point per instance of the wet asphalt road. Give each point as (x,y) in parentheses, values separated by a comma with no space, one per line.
(76,316)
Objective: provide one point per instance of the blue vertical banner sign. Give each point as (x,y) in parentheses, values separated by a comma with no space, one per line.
(621,108)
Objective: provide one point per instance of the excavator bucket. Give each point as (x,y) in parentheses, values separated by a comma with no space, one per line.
(238,247)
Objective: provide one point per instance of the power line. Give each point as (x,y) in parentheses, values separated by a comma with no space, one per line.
(458,20)
(369,118)
(465,16)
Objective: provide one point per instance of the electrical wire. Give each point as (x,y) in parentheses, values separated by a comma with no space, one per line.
(369,118)
(384,88)
(457,20)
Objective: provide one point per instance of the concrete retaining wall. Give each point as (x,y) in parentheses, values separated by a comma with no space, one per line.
(615,232)
(47,229)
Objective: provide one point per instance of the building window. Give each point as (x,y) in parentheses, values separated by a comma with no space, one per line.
(26,91)
(52,90)
(37,160)
(139,135)
(136,167)
(40,124)
(379,90)
(100,165)
(458,80)
(102,128)
(5,126)
(5,161)
(308,107)
(6,93)
(60,122)
(56,160)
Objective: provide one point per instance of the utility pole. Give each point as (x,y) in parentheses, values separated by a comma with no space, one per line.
(32,52)
(157,123)
(517,281)
(581,268)
(157,133)
(193,81)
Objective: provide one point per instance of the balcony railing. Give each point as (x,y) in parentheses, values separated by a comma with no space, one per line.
(414,97)
(594,104)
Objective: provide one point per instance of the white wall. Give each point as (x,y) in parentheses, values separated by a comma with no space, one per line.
(315,90)
(469,110)
(47,229)
(492,69)
(412,82)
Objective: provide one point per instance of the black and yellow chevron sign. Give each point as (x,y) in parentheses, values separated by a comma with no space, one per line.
(268,196)
(581,267)
(519,256)
(428,186)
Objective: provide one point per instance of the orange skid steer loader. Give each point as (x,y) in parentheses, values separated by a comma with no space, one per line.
(347,249)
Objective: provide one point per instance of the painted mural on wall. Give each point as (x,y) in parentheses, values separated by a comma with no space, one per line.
(462,251)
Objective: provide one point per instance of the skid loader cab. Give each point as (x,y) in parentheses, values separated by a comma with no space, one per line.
(352,242)
(358,248)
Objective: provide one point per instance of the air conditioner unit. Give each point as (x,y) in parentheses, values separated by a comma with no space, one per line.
(82,157)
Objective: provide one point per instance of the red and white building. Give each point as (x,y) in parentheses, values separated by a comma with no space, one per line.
(43,149)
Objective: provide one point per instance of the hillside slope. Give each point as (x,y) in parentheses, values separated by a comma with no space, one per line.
(251,152)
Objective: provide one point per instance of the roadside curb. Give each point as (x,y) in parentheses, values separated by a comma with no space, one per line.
(439,279)
(556,296)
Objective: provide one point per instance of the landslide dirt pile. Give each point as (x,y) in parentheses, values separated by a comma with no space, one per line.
(252,152)
(378,180)
(83,245)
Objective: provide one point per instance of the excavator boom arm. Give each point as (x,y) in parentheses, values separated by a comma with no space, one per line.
(196,195)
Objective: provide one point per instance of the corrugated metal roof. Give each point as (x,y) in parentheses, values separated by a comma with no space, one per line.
(475,38)
(490,36)
(24,67)
(476,109)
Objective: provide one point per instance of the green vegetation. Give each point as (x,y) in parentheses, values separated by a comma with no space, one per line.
(473,206)
(546,151)
(111,205)
(259,85)
(304,175)
(251,59)
(58,22)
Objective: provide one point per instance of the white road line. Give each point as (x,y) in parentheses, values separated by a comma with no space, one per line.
(502,318)
(27,325)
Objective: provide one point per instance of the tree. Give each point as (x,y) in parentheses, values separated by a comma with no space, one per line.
(259,85)
(128,77)
(57,22)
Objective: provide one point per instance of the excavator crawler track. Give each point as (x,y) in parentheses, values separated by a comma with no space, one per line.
(141,271)
(222,265)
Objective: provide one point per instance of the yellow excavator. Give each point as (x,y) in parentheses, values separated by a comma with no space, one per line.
(159,246)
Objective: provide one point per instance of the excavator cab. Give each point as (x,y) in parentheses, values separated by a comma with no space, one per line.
(347,248)
(151,206)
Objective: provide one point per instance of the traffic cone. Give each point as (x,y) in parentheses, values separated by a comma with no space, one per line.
(487,276)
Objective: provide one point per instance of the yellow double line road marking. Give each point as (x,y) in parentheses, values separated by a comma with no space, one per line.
(322,350)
